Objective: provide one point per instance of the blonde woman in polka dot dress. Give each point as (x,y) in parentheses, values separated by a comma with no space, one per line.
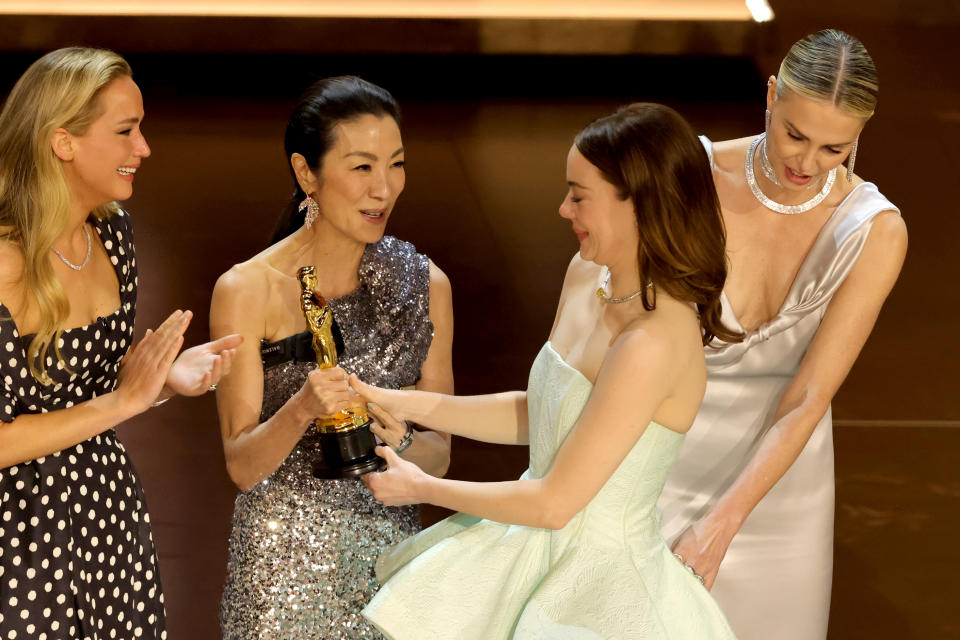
(76,553)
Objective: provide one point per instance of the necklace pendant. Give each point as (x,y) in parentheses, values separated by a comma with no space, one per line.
(602,291)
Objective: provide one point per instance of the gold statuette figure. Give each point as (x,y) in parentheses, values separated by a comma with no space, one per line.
(346,442)
(320,324)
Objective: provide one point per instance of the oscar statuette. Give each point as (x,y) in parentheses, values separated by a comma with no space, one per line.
(346,443)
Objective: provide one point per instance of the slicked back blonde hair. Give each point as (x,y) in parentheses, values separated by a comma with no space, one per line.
(61,89)
(832,66)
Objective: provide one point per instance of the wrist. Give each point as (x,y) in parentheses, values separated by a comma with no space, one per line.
(297,413)
(725,519)
(406,441)
(408,406)
(424,487)
(121,406)
(165,393)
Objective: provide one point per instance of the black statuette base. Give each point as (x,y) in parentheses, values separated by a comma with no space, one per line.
(348,454)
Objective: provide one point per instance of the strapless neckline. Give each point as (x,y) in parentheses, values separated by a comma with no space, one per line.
(548,346)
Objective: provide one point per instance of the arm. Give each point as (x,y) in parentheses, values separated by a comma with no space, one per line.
(430,449)
(254,450)
(499,418)
(30,436)
(842,334)
(612,421)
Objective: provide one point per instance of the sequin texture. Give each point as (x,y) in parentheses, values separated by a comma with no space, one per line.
(302,549)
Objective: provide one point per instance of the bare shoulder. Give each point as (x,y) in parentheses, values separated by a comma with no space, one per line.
(243,284)
(671,331)
(438,279)
(889,229)
(728,155)
(884,250)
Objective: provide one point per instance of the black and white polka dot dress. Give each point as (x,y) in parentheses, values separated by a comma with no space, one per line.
(76,553)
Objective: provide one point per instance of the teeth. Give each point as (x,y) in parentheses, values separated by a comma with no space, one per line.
(372,214)
(127,171)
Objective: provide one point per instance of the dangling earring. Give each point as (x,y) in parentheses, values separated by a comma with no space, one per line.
(765,165)
(313,210)
(852,159)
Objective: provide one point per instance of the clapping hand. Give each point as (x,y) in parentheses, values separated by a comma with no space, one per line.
(198,368)
(146,366)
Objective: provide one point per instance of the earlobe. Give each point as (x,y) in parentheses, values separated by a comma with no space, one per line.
(62,144)
(771,91)
(305,177)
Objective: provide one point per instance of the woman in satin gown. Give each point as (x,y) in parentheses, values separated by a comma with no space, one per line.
(573,550)
(302,548)
(814,251)
(77,558)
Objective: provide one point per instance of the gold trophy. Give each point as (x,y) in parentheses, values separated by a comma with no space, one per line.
(346,442)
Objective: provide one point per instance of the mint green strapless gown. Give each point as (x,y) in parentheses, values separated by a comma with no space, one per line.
(607,575)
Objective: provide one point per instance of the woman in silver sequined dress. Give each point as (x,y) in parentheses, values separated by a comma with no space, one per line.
(302,549)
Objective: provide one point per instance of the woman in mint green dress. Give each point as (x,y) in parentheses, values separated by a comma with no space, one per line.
(573,550)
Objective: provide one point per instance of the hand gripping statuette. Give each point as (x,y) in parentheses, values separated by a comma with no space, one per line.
(345,438)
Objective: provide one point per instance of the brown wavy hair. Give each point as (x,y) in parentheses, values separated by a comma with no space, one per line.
(652,156)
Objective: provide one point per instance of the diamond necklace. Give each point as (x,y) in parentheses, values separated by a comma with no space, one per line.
(77,267)
(773,205)
(602,291)
(766,166)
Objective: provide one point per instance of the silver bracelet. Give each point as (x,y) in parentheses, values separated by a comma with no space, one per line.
(160,402)
(407,440)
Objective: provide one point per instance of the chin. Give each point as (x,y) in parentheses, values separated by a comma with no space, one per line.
(373,235)
(588,256)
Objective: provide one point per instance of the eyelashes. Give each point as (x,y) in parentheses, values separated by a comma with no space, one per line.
(832,150)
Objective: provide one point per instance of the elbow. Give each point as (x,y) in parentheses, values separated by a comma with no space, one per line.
(554,513)
(555,519)
(442,467)
(443,464)
(815,405)
(807,403)
(240,474)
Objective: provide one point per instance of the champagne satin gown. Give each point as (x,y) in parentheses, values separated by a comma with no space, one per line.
(775,580)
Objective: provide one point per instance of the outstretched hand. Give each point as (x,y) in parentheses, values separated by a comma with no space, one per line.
(399,484)
(198,368)
(385,401)
(390,430)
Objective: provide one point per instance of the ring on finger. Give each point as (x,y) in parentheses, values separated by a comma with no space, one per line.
(693,573)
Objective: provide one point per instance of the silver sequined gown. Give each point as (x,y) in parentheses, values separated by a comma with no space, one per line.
(302,550)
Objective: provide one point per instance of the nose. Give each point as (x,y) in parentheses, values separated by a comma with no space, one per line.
(565,210)
(379,186)
(808,161)
(143,149)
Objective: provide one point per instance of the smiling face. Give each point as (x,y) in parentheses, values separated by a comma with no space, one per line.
(606,226)
(100,164)
(807,138)
(360,179)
